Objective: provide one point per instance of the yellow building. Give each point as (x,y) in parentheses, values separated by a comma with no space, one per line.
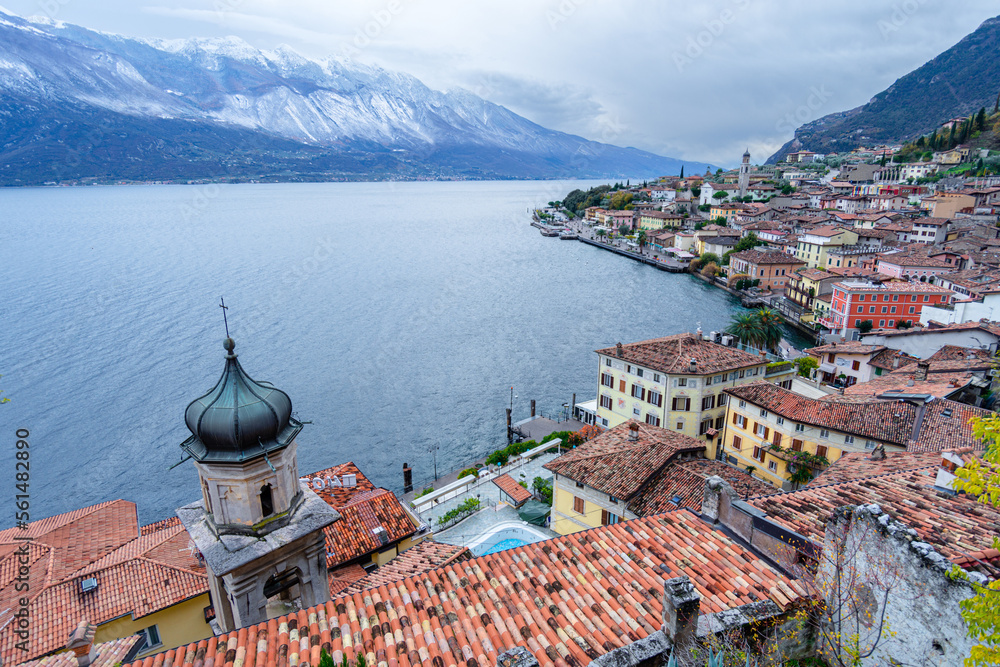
(814,246)
(677,382)
(786,439)
(635,470)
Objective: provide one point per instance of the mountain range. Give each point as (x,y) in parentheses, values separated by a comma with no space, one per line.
(80,105)
(955,84)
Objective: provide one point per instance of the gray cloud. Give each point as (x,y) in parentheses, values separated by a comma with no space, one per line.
(693,80)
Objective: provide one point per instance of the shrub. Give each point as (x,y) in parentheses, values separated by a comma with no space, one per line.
(468,471)
(864,326)
(710,269)
(425,492)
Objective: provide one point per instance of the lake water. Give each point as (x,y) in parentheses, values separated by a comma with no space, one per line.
(396,316)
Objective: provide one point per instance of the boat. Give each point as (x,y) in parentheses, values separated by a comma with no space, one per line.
(568,235)
(549,232)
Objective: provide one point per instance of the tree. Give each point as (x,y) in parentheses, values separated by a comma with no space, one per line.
(624,229)
(640,238)
(981,119)
(806,365)
(720,195)
(770,327)
(707,257)
(710,269)
(601,233)
(696,191)
(747,242)
(864,326)
(745,327)
(682,171)
(981,478)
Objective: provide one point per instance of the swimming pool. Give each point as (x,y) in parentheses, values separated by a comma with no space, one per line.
(507,535)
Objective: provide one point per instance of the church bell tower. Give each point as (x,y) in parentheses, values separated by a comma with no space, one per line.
(258,527)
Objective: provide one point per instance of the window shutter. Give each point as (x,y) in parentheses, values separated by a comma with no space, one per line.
(642,397)
(767,432)
(621,386)
(734,417)
(777,438)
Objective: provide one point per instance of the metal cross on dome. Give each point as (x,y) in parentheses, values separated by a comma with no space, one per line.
(224,308)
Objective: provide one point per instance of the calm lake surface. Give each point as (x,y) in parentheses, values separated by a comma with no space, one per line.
(396,317)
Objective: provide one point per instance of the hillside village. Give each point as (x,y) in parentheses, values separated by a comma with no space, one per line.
(713,495)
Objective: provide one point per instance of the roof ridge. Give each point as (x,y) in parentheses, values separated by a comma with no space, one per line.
(848,481)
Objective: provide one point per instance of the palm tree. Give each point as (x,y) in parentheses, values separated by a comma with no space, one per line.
(747,328)
(641,239)
(770,327)
(601,233)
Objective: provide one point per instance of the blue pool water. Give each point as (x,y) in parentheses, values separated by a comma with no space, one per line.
(503,545)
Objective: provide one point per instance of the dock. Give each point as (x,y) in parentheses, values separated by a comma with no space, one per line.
(669,265)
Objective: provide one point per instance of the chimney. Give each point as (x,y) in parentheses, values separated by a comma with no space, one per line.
(81,643)
(619,350)
(878,454)
(407,478)
(922,368)
(895,361)
(633,432)
(681,608)
(693,366)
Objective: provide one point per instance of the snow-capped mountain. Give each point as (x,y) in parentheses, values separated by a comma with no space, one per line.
(149,89)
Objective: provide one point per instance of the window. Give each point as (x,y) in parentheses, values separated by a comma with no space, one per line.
(925,298)
(605,402)
(607,518)
(621,386)
(869,444)
(266,501)
(722,400)
(742,373)
(708,403)
(800,428)
(638,372)
(823,433)
(871,310)
(607,380)
(831,357)
(821,450)
(781,420)
(892,311)
(654,398)
(743,404)
(705,425)
(652,420)
(772,466)
(895,297)
(776,439)
(848,439)
(579,485)
(682,382)
(740,420)
(761,431)
(708,381)
(912,310)
(151,635)
(720,421)
(720,378)
(638,392)
(861,309)
(758,453)
(796,445)
(892,323)
(861,297)
(885,309)
(881,323)
(856,365)
(607,362)
(680,426)
(737,443)
(763,412)
(656,377)
(578,505)
(637,412)
(628,368)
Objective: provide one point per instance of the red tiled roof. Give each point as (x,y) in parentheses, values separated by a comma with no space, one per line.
(515,491)
(160,525)
(941,385)
(135,574)
(344,577)
(988,327)
(354,535)
(959,353)
(846,347)
(766,258)
(673,354)
(342,495)
(954,525)
(889,359)
(685,482)
(109,654)
(612,464)
(858,465)
(424,557)
(569,600)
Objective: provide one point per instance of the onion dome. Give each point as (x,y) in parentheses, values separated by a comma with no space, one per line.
(746,153)
(239,419)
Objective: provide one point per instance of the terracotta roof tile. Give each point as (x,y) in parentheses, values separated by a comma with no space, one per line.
(889,359)
(424,557)
(846,347)
(160,525)
(941,385)
(344,577)
(673,354)
(515,491)
(337,497)
(108,655)
(955,525)
(858,465)
(958,353)
(612,464)
(684,482)
(356,534)
(764,257)
(569,600)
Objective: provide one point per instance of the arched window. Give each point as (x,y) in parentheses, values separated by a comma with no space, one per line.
(266,501)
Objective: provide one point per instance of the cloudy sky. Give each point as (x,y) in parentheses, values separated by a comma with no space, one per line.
(696,80)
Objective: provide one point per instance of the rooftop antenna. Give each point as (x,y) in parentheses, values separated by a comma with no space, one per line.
(224,308)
